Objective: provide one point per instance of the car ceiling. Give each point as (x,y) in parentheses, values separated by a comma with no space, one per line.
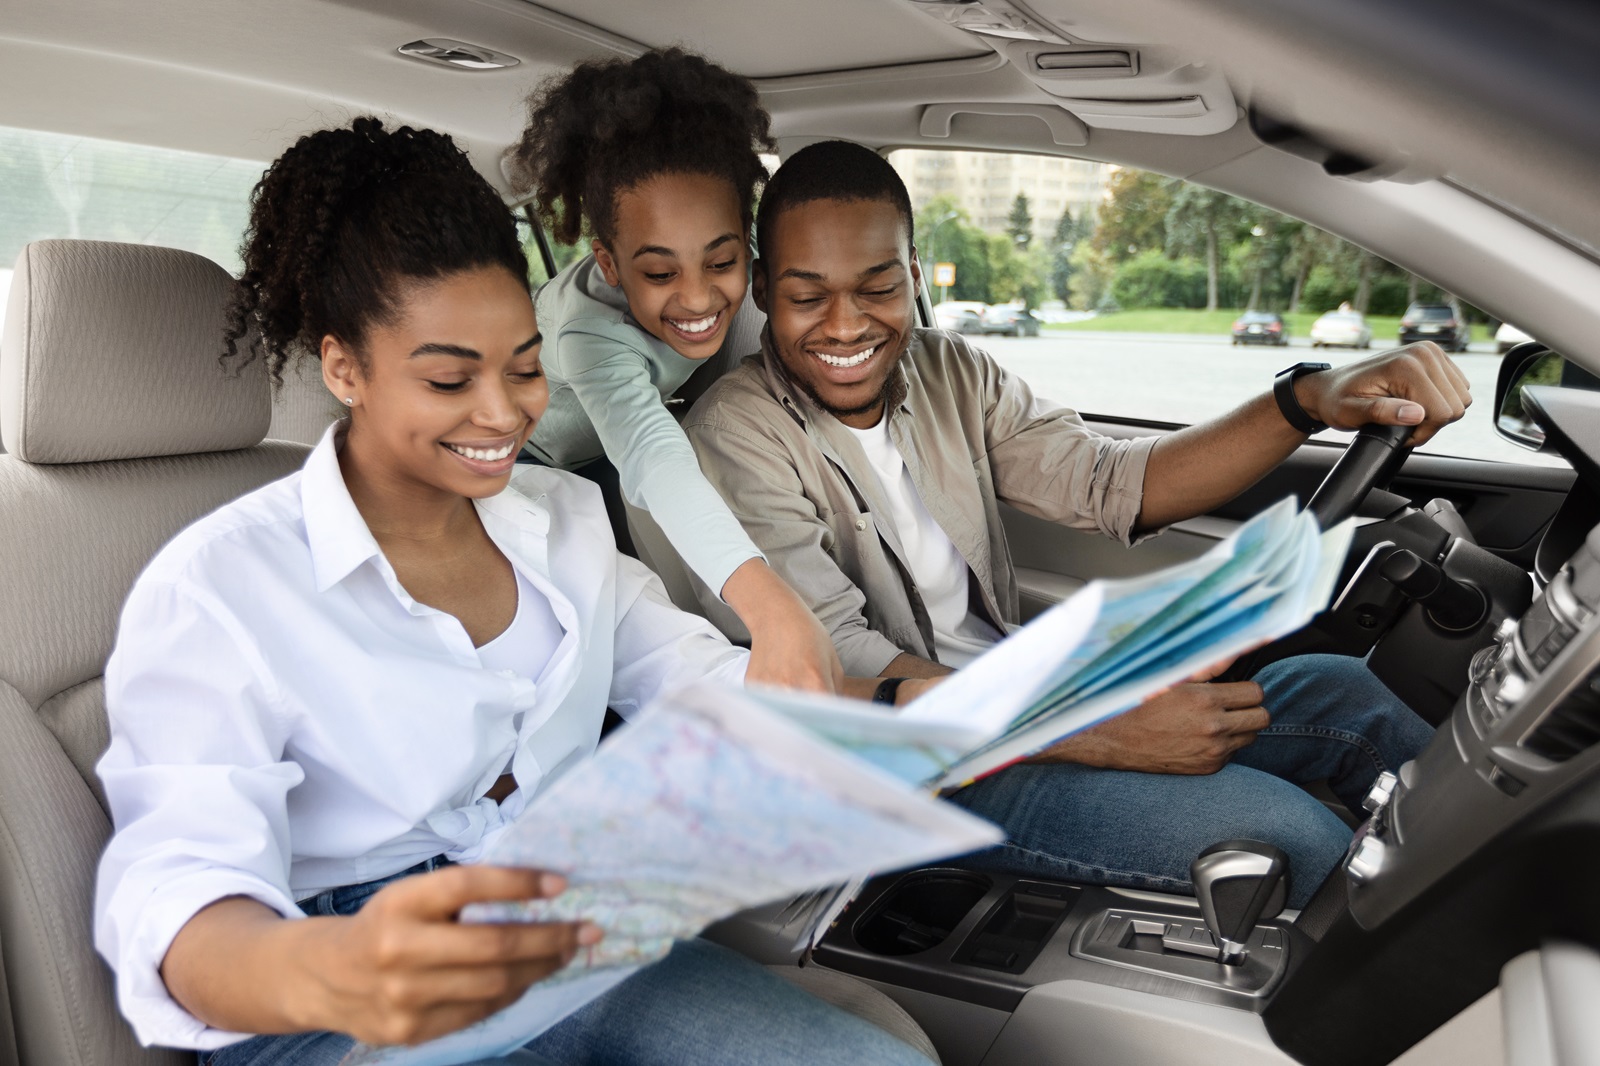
(1496,96)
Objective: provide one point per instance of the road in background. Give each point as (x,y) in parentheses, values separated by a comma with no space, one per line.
(1174,377)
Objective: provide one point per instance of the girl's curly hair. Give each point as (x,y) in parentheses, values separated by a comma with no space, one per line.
(342,221)
(610,124)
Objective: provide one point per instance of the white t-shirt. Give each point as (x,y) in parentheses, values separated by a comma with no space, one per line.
(525,646)
(940,573)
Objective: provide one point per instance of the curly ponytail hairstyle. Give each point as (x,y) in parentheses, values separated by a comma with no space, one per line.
(610,124)
(342,221)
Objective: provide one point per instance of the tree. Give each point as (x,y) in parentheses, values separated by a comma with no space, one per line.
(1067,233)
(1092,271)
(945,234)
(1198,220)
(1013,273)
(1067,229)
(1133,217)
(1019,224)
(1304,247)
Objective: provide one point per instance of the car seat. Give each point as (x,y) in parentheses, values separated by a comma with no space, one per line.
(302,406)
(121,428)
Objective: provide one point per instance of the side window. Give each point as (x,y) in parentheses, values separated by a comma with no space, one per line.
(1132,295)
(546,257)
(57,185)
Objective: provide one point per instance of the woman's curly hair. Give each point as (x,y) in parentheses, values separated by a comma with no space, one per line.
(342,221)
(610,124)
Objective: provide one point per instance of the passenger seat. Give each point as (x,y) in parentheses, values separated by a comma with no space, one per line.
(121,428)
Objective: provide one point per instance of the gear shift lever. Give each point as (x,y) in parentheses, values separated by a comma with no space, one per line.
(1239,883)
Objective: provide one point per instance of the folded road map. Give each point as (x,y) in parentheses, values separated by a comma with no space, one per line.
(714,800)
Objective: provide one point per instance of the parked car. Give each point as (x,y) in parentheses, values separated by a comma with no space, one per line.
(1010,321)
(1260,327)
(1343,329)
(960,317)
(1444,324)
(1508,337)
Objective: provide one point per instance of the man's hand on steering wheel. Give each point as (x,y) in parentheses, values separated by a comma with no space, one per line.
(1418,385)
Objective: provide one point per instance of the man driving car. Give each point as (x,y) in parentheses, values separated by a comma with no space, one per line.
(866,457)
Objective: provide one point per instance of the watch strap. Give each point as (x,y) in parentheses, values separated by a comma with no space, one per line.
(1289,403)
(887,689)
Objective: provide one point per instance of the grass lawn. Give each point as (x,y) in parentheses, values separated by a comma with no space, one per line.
(1385,328)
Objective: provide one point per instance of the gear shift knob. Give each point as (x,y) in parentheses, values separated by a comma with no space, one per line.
(1239,883)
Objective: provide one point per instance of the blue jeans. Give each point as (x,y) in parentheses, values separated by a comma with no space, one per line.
(1332,720)
(702,1004)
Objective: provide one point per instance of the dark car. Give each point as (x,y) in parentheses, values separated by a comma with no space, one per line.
(1260,327)
(1443,324)
(1011,321)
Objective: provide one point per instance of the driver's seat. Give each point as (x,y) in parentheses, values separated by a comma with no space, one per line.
(121,428)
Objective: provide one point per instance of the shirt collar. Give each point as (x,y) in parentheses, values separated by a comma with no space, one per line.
(800,405)
(338,536)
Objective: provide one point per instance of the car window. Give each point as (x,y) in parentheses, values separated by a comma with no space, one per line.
(1146,288)
(57,185)
(546,256)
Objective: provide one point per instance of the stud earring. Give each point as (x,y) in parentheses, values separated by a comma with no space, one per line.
(349,401)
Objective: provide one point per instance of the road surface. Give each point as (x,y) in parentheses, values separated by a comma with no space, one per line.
(1186,378)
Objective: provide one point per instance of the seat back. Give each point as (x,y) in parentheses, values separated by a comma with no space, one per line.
(302,406)
(121,428)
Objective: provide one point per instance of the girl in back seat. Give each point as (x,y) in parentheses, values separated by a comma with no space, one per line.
(327,693)
(657,158)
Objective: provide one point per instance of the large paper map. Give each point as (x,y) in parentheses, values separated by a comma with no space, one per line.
(703,806)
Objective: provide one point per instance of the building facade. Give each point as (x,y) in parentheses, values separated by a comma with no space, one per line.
(985,184)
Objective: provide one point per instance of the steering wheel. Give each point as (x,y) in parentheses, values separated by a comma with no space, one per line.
(1369,461)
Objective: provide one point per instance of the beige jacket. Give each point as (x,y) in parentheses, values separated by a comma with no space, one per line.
(970,433)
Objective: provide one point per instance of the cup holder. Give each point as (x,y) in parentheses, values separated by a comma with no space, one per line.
(920,912)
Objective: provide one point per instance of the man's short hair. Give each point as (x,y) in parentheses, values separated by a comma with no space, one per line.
(830,170)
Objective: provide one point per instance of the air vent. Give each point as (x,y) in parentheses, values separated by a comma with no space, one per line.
(458,54)
(1572,727)
(1097,63)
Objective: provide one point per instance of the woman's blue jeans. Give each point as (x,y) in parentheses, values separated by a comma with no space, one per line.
(1332,720)
(702,1004)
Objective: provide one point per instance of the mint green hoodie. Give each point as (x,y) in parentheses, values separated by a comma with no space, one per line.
(609,383)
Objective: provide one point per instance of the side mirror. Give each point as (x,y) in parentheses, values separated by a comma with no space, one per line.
(1531,363)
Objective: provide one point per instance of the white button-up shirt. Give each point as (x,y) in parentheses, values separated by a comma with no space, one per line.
(286,718)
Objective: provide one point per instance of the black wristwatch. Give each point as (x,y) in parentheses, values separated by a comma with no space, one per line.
(886,690)
(1289,403)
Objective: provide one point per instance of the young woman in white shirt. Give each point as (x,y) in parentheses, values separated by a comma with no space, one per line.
(328,695)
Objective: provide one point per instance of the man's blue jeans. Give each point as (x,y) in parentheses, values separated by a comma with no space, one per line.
(702,1004)
(1332,720)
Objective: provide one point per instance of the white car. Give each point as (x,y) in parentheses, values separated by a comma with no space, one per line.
(1341,329)
(960,316)
(1508,337)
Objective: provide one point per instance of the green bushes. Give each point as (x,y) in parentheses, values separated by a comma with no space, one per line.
(1150,279)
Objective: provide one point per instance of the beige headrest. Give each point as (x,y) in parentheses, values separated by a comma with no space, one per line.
(110,352)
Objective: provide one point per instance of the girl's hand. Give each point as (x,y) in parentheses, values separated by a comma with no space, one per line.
(788,646)
(404,970)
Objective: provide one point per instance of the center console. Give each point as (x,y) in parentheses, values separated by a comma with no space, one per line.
(989,938)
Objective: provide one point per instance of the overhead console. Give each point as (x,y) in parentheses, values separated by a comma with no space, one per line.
(1106,86)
